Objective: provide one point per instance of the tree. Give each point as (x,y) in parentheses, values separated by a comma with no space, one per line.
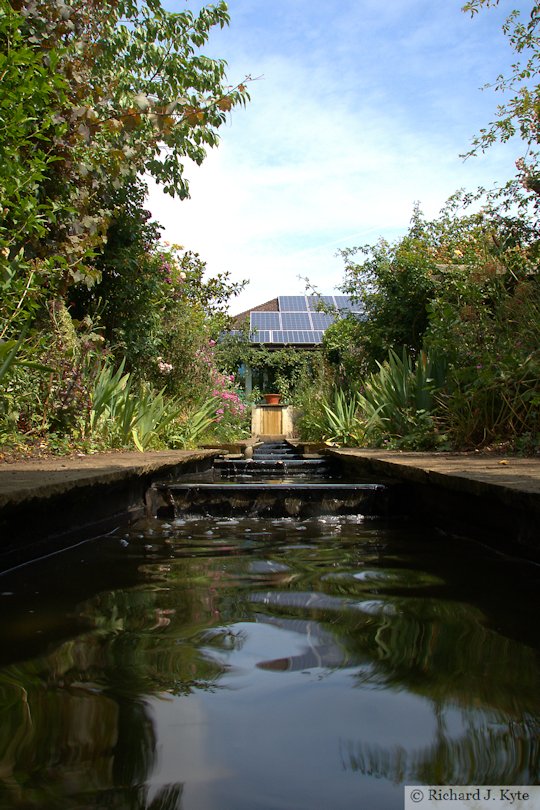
(30,94)
(395,283)
(92,96)
(123,88)
(521,113)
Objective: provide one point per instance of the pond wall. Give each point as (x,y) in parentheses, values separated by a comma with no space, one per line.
(489,498)
(50,505)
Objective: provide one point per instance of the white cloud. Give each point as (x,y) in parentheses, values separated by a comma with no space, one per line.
(324,159)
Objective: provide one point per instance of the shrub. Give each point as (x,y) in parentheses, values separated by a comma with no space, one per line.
(398,402)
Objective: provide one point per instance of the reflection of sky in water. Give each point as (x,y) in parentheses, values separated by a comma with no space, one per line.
(253,665)
(265,730)
(312,730)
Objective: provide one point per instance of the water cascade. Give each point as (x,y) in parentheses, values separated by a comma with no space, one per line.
(274,479)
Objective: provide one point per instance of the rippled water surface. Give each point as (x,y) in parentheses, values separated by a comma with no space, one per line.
(266,665)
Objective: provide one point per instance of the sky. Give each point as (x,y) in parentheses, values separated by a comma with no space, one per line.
(359,109)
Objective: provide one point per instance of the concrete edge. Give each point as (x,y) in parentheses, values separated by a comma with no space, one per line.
(77,502)
(417,469)
(28,482)
(499,508)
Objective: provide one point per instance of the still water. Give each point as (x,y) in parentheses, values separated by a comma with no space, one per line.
(259,664)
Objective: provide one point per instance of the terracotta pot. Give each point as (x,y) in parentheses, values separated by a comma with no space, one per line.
(272,399)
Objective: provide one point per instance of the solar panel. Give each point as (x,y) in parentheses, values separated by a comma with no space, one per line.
(299,320)
(261,337)
(318,302)
(265,320)
(321,320)
(292,303)
(329,300)
(299,336)
(296,320)
(313,302)
(344,302)
(306,337)
(278,336)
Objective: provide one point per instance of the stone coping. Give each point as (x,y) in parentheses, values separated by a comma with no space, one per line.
(43,478)
(469,494)
(475,473)
(471,472)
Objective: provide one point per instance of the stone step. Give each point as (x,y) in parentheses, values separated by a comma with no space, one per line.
(277,454)
(278,448)
(275,499)
(257,466)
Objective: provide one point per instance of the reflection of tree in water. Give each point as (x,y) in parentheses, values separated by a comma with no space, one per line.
(71,746)
(76,728)
(444,652)
(138,797)
(440,651)
(483,755)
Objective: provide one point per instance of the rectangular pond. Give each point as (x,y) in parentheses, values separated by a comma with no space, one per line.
(266,664)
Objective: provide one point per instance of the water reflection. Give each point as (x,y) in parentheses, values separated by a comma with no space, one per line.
(370,654)
(484,754)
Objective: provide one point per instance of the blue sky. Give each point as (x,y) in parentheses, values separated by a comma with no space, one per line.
(363,107)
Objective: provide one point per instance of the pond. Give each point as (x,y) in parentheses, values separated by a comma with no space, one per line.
(265,664)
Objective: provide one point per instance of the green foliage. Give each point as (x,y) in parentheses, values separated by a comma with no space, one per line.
(156,302)
(398,401)
(459,293)
(154,413)
(230,429)
(494,391)
(194,424)
(109,385)
(286,369)
(9,361)
(342,346)
(518,113)
(495,404)
(394,283)
(31,92)
(123,414)
(342,423)
(110,90)
(94,96)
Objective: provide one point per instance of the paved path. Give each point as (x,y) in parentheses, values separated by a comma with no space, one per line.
(42,478)
(471,472)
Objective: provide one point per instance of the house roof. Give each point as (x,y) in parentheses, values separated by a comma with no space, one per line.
(297,320)
(268,306)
